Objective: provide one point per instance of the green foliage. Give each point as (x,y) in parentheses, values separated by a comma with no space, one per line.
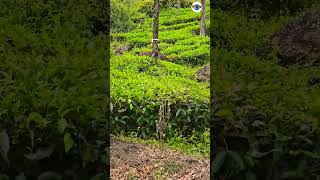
(51,54)
(197,143)
(246,35)
(146,82)
(126,15)
(270,115)
(140,83)
(175,37)
(265,114)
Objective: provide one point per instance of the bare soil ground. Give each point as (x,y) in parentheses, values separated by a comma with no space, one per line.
(141,161)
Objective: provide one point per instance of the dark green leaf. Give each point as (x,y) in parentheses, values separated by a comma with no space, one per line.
(62,124)
(122,110)
(68,142)
(37,118)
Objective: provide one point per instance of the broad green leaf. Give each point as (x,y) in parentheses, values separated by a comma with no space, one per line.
(68,142)
(178,112)
(122,110)
(182,112)
(37,118)
(62,124)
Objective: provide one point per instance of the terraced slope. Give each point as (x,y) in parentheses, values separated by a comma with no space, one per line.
(140,83)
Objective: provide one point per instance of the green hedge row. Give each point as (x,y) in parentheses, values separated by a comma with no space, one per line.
(139,85)
(52,91)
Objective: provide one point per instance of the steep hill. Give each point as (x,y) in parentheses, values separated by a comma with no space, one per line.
(140,83)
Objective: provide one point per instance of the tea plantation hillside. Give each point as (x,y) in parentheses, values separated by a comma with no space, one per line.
(266,116)
(139,84)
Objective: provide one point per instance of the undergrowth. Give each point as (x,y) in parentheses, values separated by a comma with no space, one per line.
(192,146)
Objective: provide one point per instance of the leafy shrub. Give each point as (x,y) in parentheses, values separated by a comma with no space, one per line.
(125,15)
(265,123)
(146,6)
(147,82)
(50,58)
(246,35)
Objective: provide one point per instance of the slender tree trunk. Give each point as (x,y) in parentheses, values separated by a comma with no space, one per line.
(155,48)
(203,19)
(178,6)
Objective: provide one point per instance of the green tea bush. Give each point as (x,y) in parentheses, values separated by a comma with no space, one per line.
(147,81)
(146,6)
(194,40)
(53,96)
(139,83)
(176,27)
(118,37)
(178,49)
(141,117)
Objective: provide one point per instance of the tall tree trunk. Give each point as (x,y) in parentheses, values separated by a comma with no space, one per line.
(203,19)
(178,6)
(155,48)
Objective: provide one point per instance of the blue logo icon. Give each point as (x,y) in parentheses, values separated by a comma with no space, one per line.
(196,7)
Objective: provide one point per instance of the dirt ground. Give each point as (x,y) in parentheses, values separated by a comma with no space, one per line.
(139,161)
